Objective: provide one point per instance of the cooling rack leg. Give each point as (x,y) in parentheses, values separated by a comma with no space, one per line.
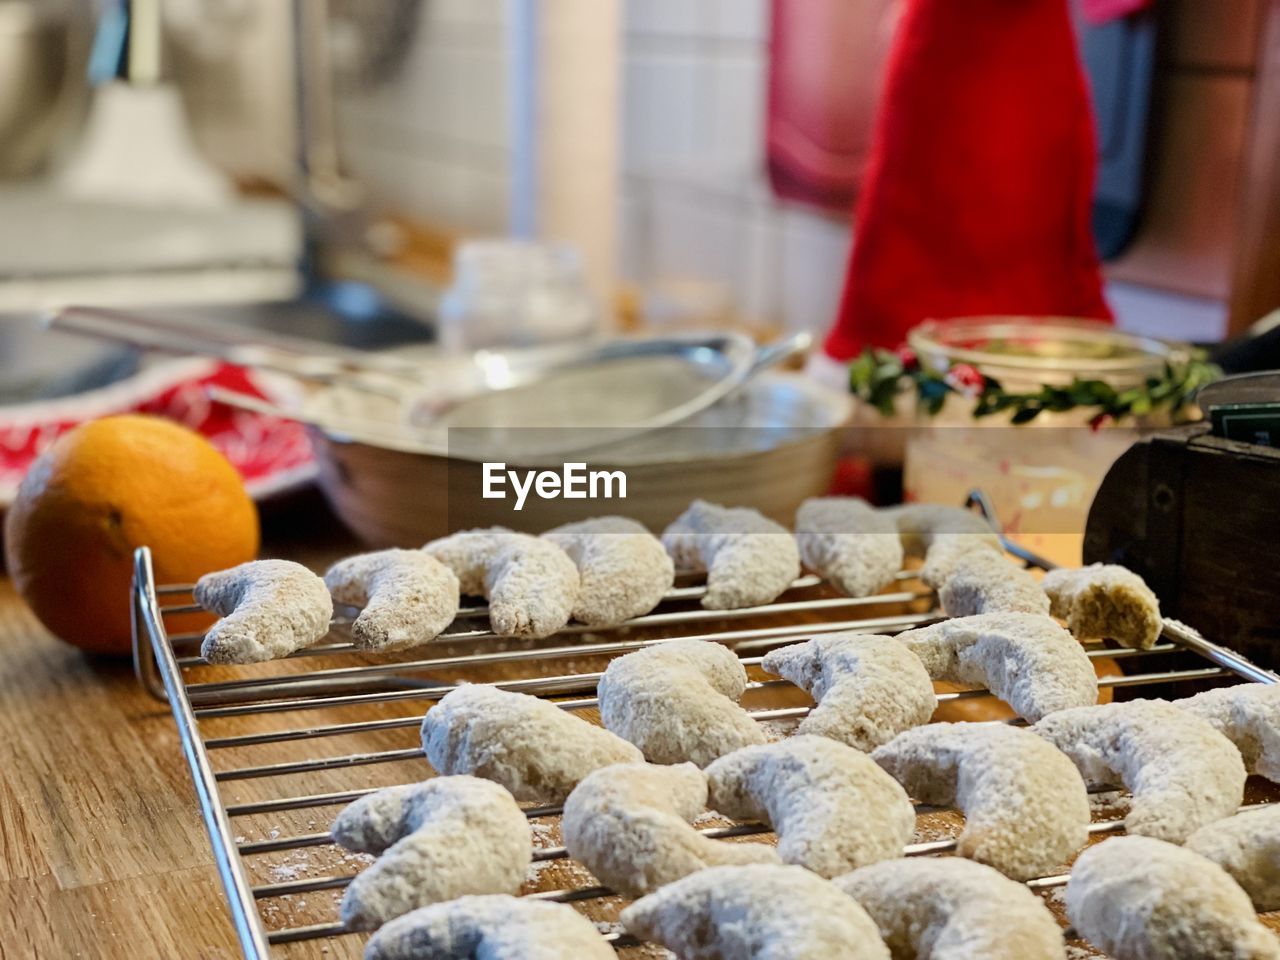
(144,658)
(244,910)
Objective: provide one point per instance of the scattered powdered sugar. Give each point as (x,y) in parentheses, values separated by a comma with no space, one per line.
(543,834)
(282,872)
(1056,896)
(1080,953)
(535,870)
(1114,803)
(775,730)
(934,829)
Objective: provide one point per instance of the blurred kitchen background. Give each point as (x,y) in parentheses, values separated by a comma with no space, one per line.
(331,155)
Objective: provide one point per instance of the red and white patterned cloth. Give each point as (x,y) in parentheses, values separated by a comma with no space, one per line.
(272,454)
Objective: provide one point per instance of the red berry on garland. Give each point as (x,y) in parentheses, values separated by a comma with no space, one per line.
(1098,421)
(907,357)
(853,478)
(965,378)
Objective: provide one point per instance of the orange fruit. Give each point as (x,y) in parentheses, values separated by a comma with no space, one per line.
(104,489)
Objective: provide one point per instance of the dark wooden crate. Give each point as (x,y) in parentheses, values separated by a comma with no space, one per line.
(1198,517)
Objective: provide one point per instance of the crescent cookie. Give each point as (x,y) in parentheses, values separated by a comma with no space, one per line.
(983,581)
(1247,846)
(1248,715)
(1139,898)
(945,908)
(849,544)
(408,596)
(490,928)
(1105,601)
(923,526)
(624,569)
(832,808)
(941,536)
(531,584)
(1026,808)
(756,913)
(1182,772)
(678,701)
(749,559)
(868,689)
(530,746)
(1025,659)
(269,609)
(436,840)
(630,825)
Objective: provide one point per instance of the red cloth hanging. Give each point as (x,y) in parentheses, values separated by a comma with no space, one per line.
(820,111)
(978,192)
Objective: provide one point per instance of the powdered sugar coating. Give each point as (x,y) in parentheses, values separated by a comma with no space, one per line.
(490,928)
(868,688)
(943,536)
(925,525)
(678,701)
(1247,846)
(530,583)
(1104,600)
(983,581)
(756,913)
(945,908)
(624,569)
(1139,898)
(1181,771)
(832,808)
(437,840)
(408,596)
(1026,808)
(749,559)
(269,609)
(1027,660)
(848,544)
(530,746)
(630,825)
(1248,715)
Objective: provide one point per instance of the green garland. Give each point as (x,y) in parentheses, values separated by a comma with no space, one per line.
(878,377)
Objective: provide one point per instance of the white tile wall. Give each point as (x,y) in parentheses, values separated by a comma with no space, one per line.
(815,251)
(738,19)
(663,18)
(433,142)
(664,131)
(737,101)
(697,204)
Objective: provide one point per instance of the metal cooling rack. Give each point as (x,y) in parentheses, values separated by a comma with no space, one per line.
(169,666)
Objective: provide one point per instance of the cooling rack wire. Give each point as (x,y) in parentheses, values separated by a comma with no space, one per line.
(275,750)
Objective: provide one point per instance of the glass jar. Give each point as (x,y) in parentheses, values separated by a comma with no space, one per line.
(1042,476)
(510,293)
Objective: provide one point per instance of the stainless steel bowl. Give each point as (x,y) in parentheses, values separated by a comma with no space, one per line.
(769,447)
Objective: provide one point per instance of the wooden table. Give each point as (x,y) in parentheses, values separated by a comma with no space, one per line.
(102,850)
